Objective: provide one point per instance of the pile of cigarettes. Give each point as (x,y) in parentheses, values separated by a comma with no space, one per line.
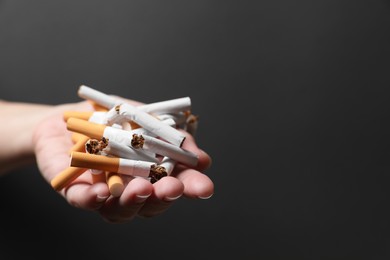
(118,138)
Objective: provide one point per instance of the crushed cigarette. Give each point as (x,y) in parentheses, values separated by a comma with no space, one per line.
(120,138)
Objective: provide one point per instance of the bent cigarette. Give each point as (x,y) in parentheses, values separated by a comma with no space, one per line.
(112,164)
(147,121)
(115,183)
(165,149)
(65,177)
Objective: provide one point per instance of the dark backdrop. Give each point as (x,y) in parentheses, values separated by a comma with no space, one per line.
(293,98)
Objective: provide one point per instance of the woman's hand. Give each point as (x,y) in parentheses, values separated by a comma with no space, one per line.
(52,143)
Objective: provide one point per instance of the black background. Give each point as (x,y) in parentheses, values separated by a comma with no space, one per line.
(293,104)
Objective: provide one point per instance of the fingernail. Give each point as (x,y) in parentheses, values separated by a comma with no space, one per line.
(101,198)
(205,198)
(172,198)
(141,198)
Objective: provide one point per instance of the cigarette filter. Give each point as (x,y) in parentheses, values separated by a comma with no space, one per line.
(165,149)
(111,164)
(65,177)
(115,183)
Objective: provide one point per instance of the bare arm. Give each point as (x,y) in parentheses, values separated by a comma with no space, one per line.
(19,120)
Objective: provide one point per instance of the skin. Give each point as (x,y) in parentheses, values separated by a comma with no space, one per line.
(46,142)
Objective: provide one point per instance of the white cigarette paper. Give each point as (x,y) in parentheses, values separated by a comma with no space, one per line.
(168,106)
(165,149)
(98,117)
(162,107)
(131,167)
(98,97)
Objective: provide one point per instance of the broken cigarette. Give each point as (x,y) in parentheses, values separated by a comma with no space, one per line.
(164,148)
(65,177)
(131,167)
(108,147)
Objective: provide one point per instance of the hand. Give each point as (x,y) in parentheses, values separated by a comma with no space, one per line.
(52,143)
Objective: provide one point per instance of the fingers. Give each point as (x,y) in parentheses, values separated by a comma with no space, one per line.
(196,184)
(166,191)
(82,194)
(204,160)
(125,207)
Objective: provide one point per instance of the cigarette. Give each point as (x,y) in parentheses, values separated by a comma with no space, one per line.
(149,122)
(98,97)
(131,167)
(65,177)
(108,147)
(161,107)
(168,106)
(115,183)
(164,148)
(179,118)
